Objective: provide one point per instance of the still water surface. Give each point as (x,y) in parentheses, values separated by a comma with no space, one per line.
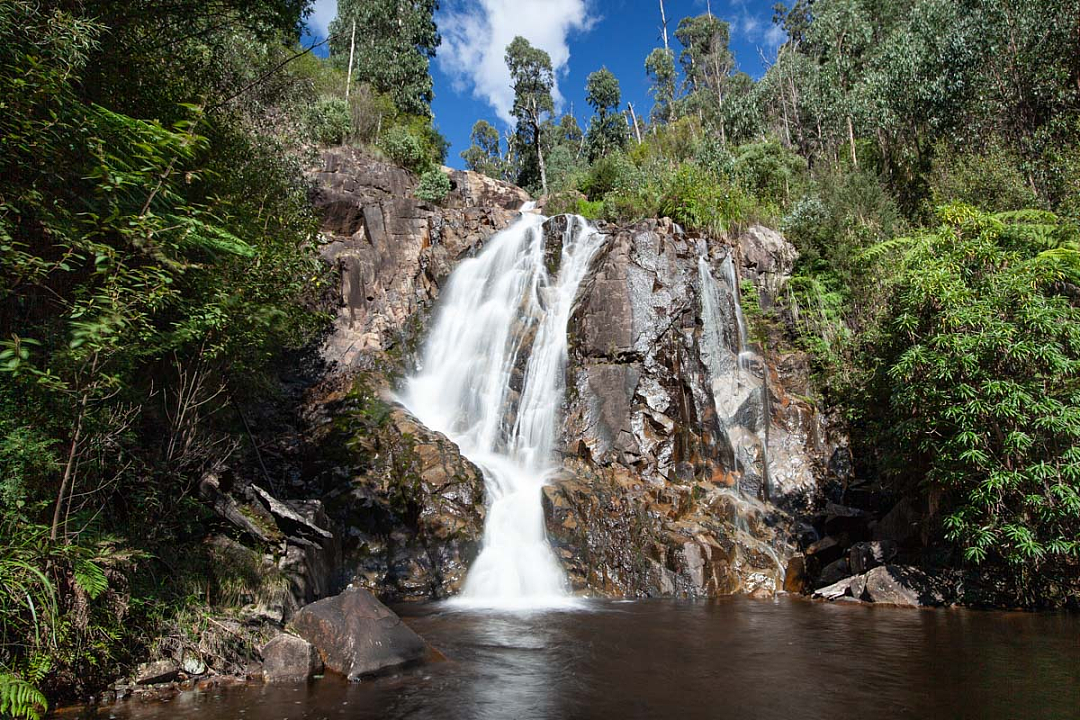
(730,658)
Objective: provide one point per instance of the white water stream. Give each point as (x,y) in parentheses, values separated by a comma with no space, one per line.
(729,360)
(492,380)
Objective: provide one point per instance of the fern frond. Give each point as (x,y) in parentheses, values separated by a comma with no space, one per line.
(90,578)
(19,699)
(200,234)
(888,246)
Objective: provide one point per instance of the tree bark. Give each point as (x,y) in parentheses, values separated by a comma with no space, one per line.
(663,24)
(633,118)
(851,141)
(352,51)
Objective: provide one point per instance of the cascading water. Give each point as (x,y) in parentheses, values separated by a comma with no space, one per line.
(738,390)
(492,380)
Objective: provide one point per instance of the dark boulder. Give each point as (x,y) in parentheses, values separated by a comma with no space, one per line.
(842,519)
(825,550)
(833,572)
(357,635)
(864,556)
(902,524)
(288,658)
(901,585)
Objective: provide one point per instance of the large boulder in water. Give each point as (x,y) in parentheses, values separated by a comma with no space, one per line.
(288,658)
(357,635)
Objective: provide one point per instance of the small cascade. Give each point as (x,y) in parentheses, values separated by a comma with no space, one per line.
(492,379)
(736,374)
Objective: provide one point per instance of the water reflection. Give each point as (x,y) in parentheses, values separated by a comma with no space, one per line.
(730,658)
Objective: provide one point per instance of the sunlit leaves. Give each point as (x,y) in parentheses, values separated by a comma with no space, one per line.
(984,368)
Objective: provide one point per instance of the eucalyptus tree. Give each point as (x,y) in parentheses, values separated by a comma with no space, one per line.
(707,61)
(484,155)
(608,129)
(532,78)
(395,41)
(660,67)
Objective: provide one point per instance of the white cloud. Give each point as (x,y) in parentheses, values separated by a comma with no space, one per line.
(775,37)
(754,28)
(475,35)
(323,11)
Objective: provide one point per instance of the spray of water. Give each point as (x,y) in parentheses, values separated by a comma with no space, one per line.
(492,380)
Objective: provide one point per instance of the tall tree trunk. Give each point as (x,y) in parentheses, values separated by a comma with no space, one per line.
(633,117)
(352,51)
(663,24)
(540,156)
(851,142)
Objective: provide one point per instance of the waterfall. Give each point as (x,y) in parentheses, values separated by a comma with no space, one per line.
(736,374)
(491,379)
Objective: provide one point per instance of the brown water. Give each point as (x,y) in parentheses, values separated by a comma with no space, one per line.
(731,658)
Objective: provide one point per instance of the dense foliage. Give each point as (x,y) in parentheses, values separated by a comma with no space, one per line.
(156,264)
(978,355)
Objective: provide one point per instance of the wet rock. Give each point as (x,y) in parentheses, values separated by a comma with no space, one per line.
(795,577)
(288,658)
(159,671)
(392,251)
(410,505)
(768,259)
(357,635)
(900,585)
(866,555)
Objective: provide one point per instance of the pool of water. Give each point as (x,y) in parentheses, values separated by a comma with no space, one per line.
(728,658)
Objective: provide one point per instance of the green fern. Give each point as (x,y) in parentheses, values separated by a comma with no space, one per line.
(20,699)
(90,578)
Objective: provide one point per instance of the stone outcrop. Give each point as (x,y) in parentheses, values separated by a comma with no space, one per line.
(658,495)
(889,585)
(356,635)
(288,658)
(393,250)
(409,505)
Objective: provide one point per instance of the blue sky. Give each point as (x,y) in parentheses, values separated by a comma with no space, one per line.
(580,35)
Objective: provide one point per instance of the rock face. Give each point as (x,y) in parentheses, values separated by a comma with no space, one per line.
(357,635)
(410,506)
(288,658)
(660,495)
(394,250)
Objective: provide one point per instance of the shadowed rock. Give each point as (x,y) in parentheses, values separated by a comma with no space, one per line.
(357,635)
(288,658)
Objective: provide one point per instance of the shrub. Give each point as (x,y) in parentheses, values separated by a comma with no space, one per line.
(770,172)
(613,172)
(698,202)
(978,365)
(327,121)
(991,180)
(405,148)
(434,186)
